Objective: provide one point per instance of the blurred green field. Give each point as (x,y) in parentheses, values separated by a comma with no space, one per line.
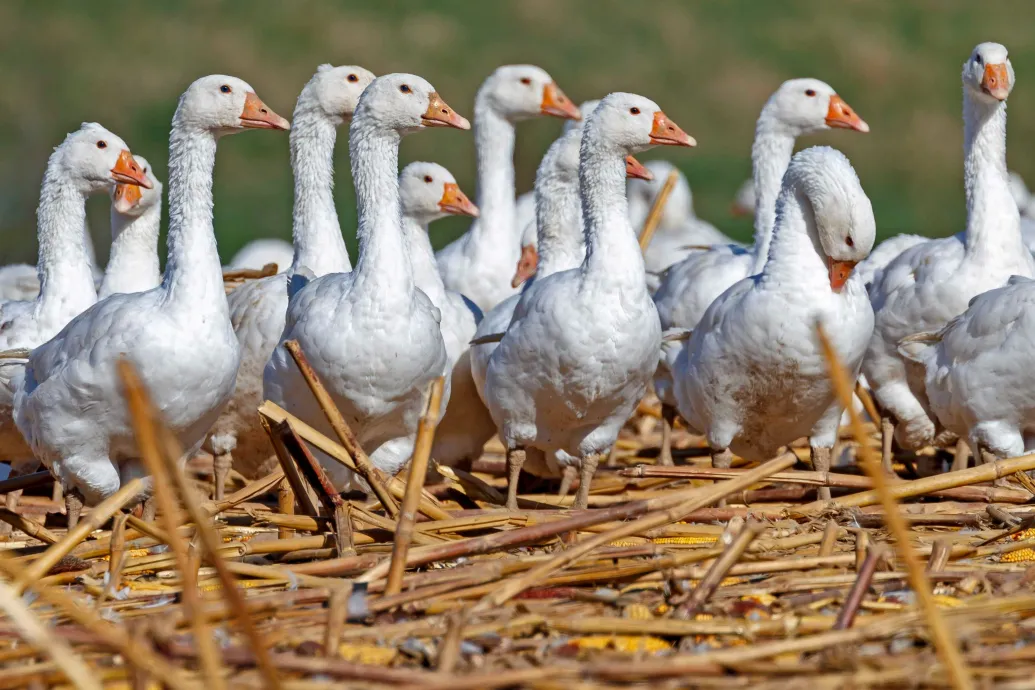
(710,65)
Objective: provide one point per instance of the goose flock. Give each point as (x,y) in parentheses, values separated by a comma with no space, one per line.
(547,320)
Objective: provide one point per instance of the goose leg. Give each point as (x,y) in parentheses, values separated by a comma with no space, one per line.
(57,493)
(961,456)
(221,469)
(11,503)
(668,419)
(821,463)
(588,469)
(567,479)
(73,506)
(988,456)
(887,432)
(515,459)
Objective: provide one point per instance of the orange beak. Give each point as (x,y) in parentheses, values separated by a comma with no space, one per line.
(455,202)
(256,115)
(665,132)
(841,115)
(127,171)
(526,266)
(439,114)
(555,103)
(126,197)
(996,82)
(634,169)
(840,272)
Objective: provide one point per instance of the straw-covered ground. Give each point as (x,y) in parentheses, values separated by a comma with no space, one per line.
(675,577)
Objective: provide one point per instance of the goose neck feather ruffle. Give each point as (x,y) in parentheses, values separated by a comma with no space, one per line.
(934,281)
(372,336)
(69,404)
(752,376)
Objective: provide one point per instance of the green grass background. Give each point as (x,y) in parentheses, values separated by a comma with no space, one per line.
(710,65)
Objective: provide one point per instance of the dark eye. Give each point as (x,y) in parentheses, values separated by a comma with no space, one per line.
(810,92)
(634,111)
(427,178)
(405,88)
(353,78)
(225,88)
(849,241)
(145,171)
(526,81)
(977,59)
(102,144)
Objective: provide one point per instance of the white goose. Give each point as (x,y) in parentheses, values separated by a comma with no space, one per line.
(679,229)
(798,107)
(933,282)
(583,343)
(526,209)
(428,192)
(371,335)
(89,161)
(479,263)
(136,213)
(69,404)
(753,376)
(1026,205)
(257,308)
(980,373)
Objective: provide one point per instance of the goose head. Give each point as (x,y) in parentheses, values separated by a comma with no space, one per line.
(842,213)
(629,123)
(519,92)
(333,92)
(224,105)
(427,192)
(810,105)
(95,159)
(131,199)
(406,103)
(988,74)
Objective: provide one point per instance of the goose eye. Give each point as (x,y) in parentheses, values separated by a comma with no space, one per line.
(849,241)
(145,171)
(977,59)
(102,144)
(225,88)
(405,88)
(427,178)
(810,92)
(352,78)
(634,111)
(526,81)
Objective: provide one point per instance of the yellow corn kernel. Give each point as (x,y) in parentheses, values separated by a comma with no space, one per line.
(623,643)
(1026,534)
(1018,556)
(637,612)
(626,542)
(367,654)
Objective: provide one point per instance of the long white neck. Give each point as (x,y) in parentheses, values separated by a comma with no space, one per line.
(796,256)
(770,155)
(494,146)
(422,259)
(612,253)
(383,266)
(64,266)
(993,221)
(193,273)
(316,232)
(133,261)
(561,244)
